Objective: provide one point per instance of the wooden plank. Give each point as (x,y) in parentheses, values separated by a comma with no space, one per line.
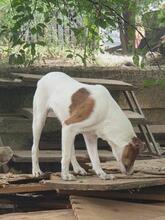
(8,83)
(128,195)
(28,112)
(140,179)
(65,214)
(158,129)
(93,183)
(134,117)
(91,208)
(24,188)
(111,84)
(88,183)
(20,124)
(151,166)
(135,195)
(21,156)
(148,173)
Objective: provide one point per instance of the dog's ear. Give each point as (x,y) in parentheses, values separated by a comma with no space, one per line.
(138,144)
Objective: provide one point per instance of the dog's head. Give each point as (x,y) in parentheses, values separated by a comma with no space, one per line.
(129,154)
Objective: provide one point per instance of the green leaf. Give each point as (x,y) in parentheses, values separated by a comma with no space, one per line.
(16,17)
(110,39)
(40,9)
(59,21)
(149,82)
(19,59)
(33,30)
(26,45)
(41,43)
(69,55)
(33,49)
(20,8)
(41,25)
(136,59)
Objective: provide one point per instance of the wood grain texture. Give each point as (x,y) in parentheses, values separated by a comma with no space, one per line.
(66,214)
(86,208)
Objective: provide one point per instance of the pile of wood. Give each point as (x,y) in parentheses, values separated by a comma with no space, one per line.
(140,196)
(96,207)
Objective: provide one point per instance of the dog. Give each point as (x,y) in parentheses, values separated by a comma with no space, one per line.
(86,109)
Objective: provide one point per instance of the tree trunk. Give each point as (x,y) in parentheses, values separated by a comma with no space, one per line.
(122,38)
(127,32)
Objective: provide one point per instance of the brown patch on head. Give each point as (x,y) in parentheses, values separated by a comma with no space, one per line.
(81,106)
(130,152)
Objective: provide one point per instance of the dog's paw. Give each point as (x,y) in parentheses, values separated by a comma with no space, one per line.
(79,170)
(106,176)
(68,177)
(37,172)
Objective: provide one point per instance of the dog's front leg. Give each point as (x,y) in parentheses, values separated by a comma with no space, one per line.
(68,136)
(91,143)
(76,166)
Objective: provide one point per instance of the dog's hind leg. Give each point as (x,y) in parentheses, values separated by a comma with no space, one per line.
(39,117)
(68,136)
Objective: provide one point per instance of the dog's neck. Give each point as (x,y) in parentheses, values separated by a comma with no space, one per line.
(118,134)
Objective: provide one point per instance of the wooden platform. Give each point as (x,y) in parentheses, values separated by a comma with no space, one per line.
(147,173)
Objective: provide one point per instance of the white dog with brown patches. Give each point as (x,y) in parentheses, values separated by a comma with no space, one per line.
(86,109)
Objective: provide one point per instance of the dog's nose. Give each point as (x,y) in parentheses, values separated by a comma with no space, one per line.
(126,167)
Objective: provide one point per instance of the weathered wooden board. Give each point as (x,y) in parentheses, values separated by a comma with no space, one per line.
(147,173)
(154,194)
(135,117)
(152,166)
(87,183)
(55,155)
(86,208)
(8,83)
(112,84)
(66,214)
(94,183)
(24,188)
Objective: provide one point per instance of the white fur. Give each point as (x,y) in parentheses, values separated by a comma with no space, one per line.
(107,121)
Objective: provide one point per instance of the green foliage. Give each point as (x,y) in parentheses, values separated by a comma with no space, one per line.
(33,16)
(154,82)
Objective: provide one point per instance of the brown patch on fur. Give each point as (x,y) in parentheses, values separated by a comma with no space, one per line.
(81,107)
(131,151)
